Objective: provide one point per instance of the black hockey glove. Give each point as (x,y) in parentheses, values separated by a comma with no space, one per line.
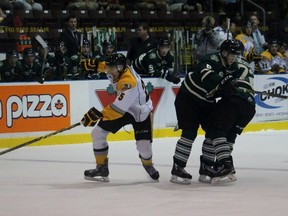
(169,76)
(225,87)
(91,117)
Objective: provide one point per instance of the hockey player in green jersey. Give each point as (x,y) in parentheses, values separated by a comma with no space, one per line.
(158,62)
(233,112)
(195,104)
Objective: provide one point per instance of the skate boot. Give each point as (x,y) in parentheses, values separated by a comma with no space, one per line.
(206,170)
(150,169)
(179,175)
(224,172)
(232,176)
(152,172)
(99,174)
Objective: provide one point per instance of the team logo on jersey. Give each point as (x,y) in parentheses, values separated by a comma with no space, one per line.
(153,56)
(126,86)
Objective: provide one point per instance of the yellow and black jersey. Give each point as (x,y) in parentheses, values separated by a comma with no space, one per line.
(131,97)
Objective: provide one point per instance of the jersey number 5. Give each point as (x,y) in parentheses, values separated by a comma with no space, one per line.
(120,97)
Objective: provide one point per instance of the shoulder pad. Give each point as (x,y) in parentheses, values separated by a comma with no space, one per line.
(127,81)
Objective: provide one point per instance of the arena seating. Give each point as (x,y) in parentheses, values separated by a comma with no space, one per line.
(51,20)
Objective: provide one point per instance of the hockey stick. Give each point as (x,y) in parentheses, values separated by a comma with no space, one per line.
(40,138)
(228,28)
(270,94)
(45,47)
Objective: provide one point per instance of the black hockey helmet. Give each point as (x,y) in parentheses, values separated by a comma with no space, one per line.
(164,42)
(86,43)
(274,42)
(232,46)
(28,52)
(107,44)
(116,59)
(12,53)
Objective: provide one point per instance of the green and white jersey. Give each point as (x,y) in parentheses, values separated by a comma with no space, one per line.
(244,81)
(152,64)
(208,74)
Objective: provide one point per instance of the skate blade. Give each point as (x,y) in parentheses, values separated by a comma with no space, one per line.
(223,180)
(98,179)
(179,180)
(204,179)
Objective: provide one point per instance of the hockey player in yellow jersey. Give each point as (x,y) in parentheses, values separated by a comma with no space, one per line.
(131,106)
(272,61)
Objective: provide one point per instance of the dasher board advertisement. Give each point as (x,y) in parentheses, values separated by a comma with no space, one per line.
(31,108)
(271,108)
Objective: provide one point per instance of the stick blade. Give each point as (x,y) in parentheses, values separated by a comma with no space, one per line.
(41,41)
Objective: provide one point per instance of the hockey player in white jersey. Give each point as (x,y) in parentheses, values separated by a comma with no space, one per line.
(131,106)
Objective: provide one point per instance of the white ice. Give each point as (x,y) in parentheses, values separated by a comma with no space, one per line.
(48,181)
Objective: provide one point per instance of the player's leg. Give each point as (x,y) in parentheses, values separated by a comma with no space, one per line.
(208,157)
(223,120)
(187,112)
(233,115)
(143,137)
(100,150)
(241,122)
(100,147)
(181,156)
(207,162)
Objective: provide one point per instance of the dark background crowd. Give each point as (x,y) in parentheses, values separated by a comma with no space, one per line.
(81,34)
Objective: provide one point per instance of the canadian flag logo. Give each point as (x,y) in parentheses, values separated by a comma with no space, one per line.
(108,95)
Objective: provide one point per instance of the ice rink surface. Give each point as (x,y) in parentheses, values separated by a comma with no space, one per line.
(48,181)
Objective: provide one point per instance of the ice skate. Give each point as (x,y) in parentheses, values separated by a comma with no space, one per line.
(206,170)
(99,174)
(224,173)
(179,175)
(152,172)
(149,168)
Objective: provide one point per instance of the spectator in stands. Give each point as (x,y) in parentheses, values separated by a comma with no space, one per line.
(6,5)
(30,68)
(8,67)
(71,37)
(272,61)
(228,7)
(150,5)
(16,18)
(2,15)
(283,25)
(221,30)
(247,40)
(206,38)
(284,51)
(83,5)
(141,44)
(111,5)
(184,5)
(31,5)
(259,38)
